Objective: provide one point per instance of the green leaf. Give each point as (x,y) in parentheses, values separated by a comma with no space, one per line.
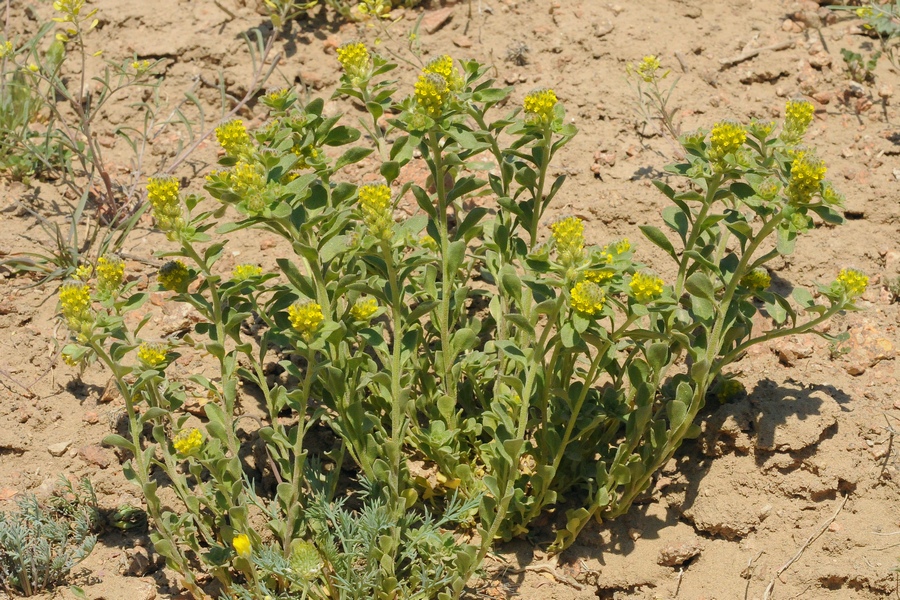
(390,170)
(119,442)
(353,155)
(456,253)
(700,285)
(655,235)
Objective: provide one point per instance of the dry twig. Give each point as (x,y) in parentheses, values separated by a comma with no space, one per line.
(768,593)
(748,54)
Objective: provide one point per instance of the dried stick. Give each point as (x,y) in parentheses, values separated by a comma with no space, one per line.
(768,593)
(729,62)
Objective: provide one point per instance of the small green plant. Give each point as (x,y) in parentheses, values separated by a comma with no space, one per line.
(882,19)
(861,70)
(40,544)
(519,363)
(652,99)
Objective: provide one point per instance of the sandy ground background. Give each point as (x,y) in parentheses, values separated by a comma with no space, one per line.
(808,450)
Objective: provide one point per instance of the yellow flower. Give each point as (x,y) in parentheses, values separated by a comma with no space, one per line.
(431,93)
(277,99)
(354,58)
(83,272)
(244,272)
(162,192)
(173,275)
(75,304)
(539,105)
(806,174)
(151,355)
(730,388)
(6,48)
(377,210)
(757,279)
(140,66)
(188,442)
(852,282)
(647,68)
(798,114)
(429,243)
(726,137)
(233,138)
(645,288)
(569,237)
(306,153)
(831,196)
(241,544)
(33,68)
(306,318)
(443,66)
(364,308)
(622,246)
(587,298)
(110,272)
(599,276)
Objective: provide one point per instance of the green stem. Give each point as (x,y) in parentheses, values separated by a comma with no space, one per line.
(538,209)
(299,459)
(398,427)
(447,278)
(696,231)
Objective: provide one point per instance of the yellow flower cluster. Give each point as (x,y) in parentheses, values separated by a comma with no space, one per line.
(429,243)
(587,298)
(831,196)
(726,137)
(306,154)
(354,58)
(244,272)
(241,544)
(188,441)
(798,114)
(110,272)
(233,138)
(757,279)
(539,105)
(162,192)
(599,276)
(173,275)
(377,211)
(431,93)
(6,49)
(70,10)
(141,66)
(647,68)
(569,237)
(306,318)
(853,282)
(443,66)
(277,98)
(645,288)
(730,388)
(151,355)
(807,173)
(364,308)
(75,304)
(83,272)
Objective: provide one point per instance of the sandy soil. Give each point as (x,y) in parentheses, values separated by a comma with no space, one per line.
(792,488)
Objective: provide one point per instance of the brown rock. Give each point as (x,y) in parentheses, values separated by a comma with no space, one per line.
(267,243)
(436,19)
(789,352)
(678,554)
(462,41)
(95,455)
(58,449)
(866,348)
(823,97)
(91,417)
(331,43)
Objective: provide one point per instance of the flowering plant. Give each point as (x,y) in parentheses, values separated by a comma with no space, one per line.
(472,367)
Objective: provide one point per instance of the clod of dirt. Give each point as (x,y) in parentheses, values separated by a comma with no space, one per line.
(11,441)
(95,455)
(678,554)
(788,421)
(435,20)
(790,351)
(867,347)
(59,448)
